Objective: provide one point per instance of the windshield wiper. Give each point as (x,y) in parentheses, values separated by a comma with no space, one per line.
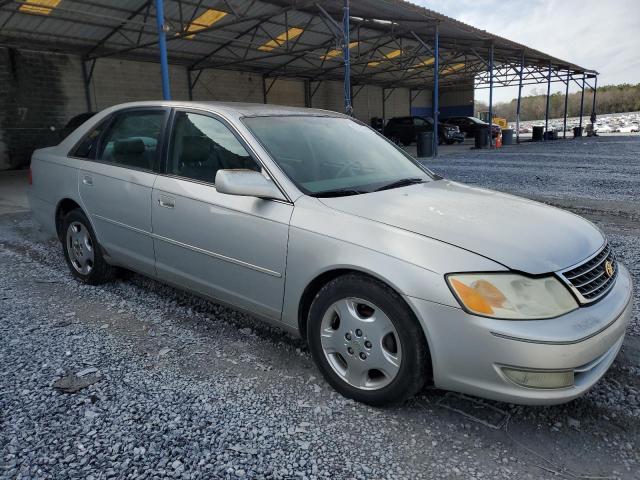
(401,183)
(339,192)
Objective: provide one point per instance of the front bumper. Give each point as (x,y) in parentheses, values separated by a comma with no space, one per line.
(468,351)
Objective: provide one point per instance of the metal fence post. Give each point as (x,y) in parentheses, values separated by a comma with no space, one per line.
(545,135)
(519,99)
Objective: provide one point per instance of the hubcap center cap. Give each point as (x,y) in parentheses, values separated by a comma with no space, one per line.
(355,345)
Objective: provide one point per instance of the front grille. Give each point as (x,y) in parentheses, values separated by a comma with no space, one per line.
(590,280)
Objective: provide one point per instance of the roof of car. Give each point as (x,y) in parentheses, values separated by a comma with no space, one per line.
(239,109)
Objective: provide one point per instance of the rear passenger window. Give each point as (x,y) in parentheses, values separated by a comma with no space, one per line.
(202,145)
(88,145)
(132,139)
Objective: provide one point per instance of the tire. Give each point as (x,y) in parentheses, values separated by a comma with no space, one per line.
(82,251)
(395,365)
(395,139)
(450,142)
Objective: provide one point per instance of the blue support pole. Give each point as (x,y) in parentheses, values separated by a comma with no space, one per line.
(584,79)
(162,44)
(566,103)
(546,113)
(491,95)
(348,108)
(518,105)
(436,88)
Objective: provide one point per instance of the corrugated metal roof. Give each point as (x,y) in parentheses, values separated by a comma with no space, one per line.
(126,29)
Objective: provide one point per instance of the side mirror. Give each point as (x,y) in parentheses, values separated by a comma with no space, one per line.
(248,183)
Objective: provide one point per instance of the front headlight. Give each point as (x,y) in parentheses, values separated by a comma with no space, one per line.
(511,296)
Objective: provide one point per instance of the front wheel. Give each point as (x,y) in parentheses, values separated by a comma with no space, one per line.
(366,341)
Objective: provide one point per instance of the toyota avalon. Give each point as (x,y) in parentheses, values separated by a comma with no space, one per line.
(314,222)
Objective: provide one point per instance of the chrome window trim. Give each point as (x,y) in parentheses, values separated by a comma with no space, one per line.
(234,131)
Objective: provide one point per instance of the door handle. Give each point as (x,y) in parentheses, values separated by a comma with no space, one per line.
(87,180)
(166,202)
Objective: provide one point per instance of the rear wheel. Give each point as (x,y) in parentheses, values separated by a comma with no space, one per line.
(366,341)
(82,251)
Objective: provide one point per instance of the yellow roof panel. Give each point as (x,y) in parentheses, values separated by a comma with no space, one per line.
(205,20)
(388,56)
(39,7)
(281,39)
(337,52)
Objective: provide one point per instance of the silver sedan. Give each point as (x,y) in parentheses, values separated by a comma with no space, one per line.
(312,221)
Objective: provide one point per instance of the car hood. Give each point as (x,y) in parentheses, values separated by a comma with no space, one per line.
(518,233)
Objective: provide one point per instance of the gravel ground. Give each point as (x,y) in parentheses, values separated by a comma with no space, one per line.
(183,388)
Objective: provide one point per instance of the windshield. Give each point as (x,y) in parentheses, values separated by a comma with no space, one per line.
(325,155)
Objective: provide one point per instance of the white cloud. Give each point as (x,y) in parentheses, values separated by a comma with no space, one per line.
(595,34)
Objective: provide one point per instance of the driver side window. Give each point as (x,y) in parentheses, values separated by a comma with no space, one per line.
(202,145)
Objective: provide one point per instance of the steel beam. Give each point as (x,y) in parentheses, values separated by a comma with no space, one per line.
(546,112)
(519,104)
(436,88)
(87,84)
(162,44)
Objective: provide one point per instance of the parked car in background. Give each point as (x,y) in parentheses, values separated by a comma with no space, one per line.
(629,128)
(315,223)
(470,125)
(405,130)
(603,128)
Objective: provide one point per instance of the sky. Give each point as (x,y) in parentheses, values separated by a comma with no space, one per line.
(603,35)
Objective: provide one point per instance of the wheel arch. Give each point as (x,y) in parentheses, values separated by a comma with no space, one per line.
(64,206)
(314,286)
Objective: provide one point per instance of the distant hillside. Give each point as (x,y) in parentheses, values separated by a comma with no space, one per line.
(610,99)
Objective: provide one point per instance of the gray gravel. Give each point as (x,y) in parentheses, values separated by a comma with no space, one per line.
(174,386)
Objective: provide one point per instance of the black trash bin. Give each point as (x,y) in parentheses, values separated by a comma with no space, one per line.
(425,144)
(577,132)
(507,136)
(482,138)
(538,133)
(551,135)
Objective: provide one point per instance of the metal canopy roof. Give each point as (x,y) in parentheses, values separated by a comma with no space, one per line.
(391,39)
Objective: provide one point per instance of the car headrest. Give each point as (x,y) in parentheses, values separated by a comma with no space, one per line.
(128,146)
(195,149)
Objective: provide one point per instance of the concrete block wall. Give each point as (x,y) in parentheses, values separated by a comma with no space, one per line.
(457,101)
(397,103)
(227,85)
(40,90)
(287,92)
(117,81)
(422,103)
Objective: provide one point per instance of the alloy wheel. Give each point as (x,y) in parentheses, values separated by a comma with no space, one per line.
(360,343)
(80,248)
